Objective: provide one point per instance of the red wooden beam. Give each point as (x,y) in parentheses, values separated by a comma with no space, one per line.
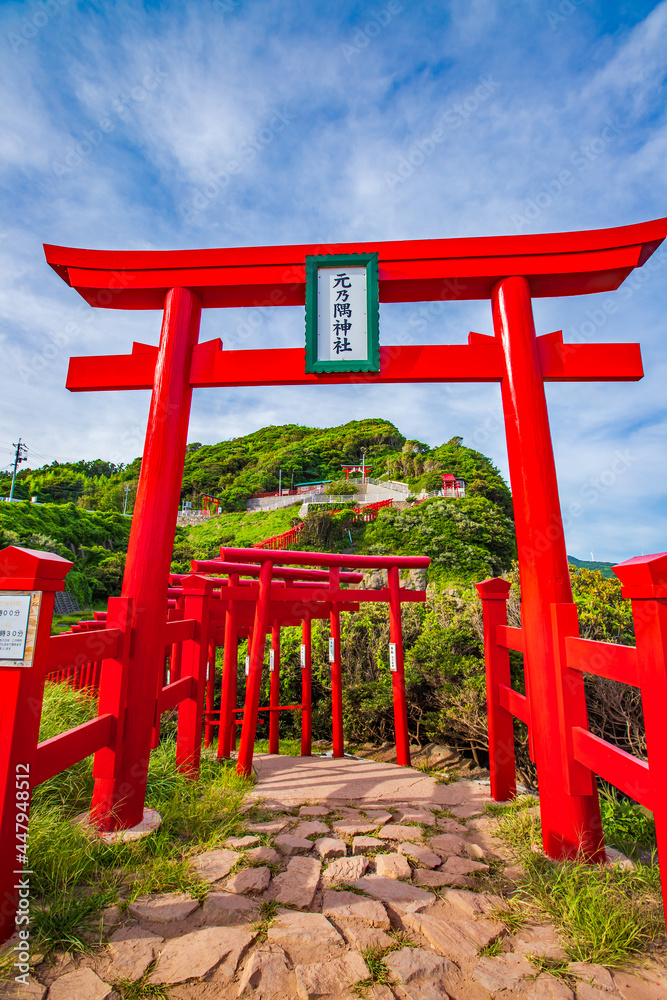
(480,360)
(72,649)
(619,768)
(60,752)
(410,270)
(604,659)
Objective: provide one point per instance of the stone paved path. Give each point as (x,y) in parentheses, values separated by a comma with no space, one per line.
(340,857)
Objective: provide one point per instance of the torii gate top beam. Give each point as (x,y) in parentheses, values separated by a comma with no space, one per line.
(554,264)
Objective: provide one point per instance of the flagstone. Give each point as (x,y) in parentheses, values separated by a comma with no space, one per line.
(297,885)
(197,954)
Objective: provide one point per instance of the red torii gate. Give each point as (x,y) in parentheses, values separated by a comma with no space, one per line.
(509,271)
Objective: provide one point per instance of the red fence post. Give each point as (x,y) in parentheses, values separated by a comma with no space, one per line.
(396,667)
(254,678)
(196,593)
(114,678)
(229,670)
(569,822)
(306,689)
(644,581)
(336,670)
(146,576)
(210,696)
(494,593)
(21,694)
(274,690)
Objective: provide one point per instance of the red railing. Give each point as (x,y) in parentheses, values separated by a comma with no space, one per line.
(586,755)
(367,512)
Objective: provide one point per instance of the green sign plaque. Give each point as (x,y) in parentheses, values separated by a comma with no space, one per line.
(342,313)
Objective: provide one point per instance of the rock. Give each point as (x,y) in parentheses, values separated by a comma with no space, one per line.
(400,895)
(225,909)
(587,992)
(395,831)
(410,964)
(350,906)
(633,987)
(197,954)
(422,855)
(110,917)
(298,884)
(267,975)
(306,937)
(360,936)
(436,880)
(163,908)
(449,825)
(472,904)
(329,847)
(414,814)
(541,939)
(514,873)
(455,939)
(271,828)
(475,851)
(377,816)
(392,866)
(461,793)
(362,844)
(350,828)
(547,987)
(306,830)
(322,979)
(264,854)
(290,845)
(462,866)
(446,844)
(425,991)
(381,992)
(214,865)
(132,950)
(615,857)
(241,843)
(83,984)
(502,973)
(250,880)
(596,975)
(32,990)
(466,812)
(313,811)
(345,870)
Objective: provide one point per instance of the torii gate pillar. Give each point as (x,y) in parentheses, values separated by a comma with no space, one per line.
(574,824)
(120,778)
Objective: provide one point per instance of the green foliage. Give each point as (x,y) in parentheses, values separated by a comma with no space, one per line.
(627,825)
(341,488)
(466,539)
(603,614)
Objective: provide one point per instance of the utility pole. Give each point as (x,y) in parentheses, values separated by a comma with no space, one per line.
(127,489)
(363,465)
(280,482)
(21,456)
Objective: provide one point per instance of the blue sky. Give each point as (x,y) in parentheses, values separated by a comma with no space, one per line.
(121,120)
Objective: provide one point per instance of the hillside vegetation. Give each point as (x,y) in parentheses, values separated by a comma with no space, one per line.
(234,470)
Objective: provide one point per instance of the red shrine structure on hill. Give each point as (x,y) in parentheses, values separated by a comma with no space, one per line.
(341,287)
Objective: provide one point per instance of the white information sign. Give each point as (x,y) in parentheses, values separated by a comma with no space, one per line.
(247,665)
(303,655)
(342,320)
(19,613)
(272,659)
(393,665)
(332,650)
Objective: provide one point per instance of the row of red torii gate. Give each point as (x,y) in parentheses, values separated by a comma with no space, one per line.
(510,271)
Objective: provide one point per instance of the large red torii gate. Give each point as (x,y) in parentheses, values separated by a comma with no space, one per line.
(509,271)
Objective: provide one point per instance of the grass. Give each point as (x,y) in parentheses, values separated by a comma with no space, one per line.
(627,826)
(289,747)
(268,909)
(493,949)
(379,973)
(141,989)
(608,915)
(76,874)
